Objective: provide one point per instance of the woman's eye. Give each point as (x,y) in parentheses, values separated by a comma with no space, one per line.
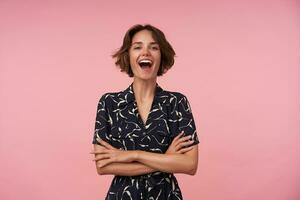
(154,47)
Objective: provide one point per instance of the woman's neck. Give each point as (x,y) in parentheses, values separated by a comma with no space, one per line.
(144,90)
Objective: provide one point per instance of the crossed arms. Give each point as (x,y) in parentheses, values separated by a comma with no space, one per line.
(177,159)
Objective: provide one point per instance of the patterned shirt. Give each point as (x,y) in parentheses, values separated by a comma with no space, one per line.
(119,123)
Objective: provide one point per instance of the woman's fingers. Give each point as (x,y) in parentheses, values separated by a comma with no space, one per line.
(184,144)
(178,136)
(99,147)
(101,157)
(104,162)
(104,151)
(174,142)
(186,149)
(183,139)
(105,144)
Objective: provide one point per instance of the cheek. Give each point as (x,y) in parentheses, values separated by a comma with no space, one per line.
(158,58)
(132,58)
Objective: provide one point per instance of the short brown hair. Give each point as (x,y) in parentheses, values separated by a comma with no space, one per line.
(167,51)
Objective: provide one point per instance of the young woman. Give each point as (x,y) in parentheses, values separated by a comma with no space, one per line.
(144,134)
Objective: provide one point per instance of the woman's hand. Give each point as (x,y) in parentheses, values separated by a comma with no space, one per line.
(107,154)
(178,144)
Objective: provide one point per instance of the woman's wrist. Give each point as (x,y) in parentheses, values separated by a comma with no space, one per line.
(136,154)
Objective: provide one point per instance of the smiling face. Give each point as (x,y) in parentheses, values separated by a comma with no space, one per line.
(144,55)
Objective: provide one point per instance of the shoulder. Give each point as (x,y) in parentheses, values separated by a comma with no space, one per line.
(178,100)
(110,97)
(174,95)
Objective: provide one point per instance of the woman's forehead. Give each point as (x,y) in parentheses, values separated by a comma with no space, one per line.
(142,37)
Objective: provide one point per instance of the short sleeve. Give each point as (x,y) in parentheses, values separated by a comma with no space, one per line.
(102,124)
(185,119)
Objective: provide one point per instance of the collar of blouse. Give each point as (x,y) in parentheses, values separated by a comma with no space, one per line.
(128,94)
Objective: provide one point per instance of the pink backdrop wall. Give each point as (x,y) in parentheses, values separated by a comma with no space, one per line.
(238,63)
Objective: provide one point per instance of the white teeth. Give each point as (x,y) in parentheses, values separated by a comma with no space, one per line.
(145,61)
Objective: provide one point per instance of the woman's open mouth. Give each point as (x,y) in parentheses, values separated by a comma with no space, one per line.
(145,63)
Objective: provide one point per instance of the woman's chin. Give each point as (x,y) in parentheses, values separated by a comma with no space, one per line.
(145,76)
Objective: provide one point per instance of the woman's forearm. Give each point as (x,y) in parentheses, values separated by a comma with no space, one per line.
(125,169)
(171,163)
(136,162)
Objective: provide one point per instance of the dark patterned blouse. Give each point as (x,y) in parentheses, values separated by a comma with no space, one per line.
(119,123)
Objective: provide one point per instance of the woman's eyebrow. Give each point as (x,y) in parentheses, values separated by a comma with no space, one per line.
(142,43)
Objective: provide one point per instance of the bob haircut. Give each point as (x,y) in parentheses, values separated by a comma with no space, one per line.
(166,50)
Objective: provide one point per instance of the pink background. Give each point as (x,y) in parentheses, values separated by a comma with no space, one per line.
(237,62)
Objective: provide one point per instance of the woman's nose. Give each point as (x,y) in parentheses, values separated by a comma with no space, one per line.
(145,51)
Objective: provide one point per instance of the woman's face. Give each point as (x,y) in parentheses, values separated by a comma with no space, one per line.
(144,55)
